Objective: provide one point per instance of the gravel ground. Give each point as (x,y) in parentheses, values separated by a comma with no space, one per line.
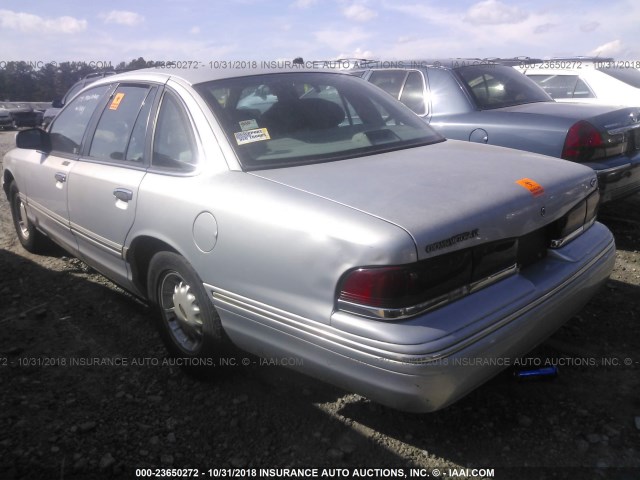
(65,414)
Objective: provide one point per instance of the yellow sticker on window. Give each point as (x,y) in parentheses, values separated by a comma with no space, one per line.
(116,101)
(250,136)
(534,187)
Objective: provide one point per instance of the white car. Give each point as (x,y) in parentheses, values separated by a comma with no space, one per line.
(608,82)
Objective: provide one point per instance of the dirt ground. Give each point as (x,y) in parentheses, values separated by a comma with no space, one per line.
(87,392)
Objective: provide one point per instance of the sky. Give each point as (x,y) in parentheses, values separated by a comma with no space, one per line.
(41,31)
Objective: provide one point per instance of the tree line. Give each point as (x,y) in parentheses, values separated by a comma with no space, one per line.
(24,81)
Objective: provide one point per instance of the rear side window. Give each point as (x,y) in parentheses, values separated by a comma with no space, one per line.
(563,86)
(630,76)
(116,124)
(69,126)
(406,86)
(413,93)
(497,86)
(174,145)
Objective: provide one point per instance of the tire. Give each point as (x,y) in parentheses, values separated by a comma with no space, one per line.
(187,321)
(30,238)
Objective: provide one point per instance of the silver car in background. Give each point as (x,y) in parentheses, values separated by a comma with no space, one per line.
(329,224)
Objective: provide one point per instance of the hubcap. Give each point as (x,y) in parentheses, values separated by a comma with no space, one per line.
(181,312)
(22,219)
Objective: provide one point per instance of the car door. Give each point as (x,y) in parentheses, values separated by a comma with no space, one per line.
(103,185)
(47,178)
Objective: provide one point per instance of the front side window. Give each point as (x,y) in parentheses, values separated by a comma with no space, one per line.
(69,126)
(497,86)
(288,119)
(174,146)
(116,123)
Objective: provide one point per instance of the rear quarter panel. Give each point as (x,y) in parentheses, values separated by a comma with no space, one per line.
(532,133)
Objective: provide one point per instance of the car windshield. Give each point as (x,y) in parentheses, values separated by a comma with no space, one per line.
(287,119)
(630,76)
(496,86)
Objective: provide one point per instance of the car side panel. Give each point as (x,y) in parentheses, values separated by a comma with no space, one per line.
(45,185)
(266,243)
(99,219)
(544,135)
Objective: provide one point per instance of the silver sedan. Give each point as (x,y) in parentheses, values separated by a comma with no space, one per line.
(308,215)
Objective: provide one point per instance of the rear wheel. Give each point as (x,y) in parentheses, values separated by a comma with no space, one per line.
(187,320)
(30,238)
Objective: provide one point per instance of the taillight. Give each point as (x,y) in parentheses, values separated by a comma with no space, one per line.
(406,285)
(584,143)
(401,291)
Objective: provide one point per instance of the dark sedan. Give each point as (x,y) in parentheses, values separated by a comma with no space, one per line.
(485,102)
(21,113)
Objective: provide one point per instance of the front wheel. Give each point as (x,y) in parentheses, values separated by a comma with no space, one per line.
(187,320)
(30,238)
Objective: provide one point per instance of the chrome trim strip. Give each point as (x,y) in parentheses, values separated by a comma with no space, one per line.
(608,171)
(624,129)
(566,239)
(400,313)
(45,211)
(105,244)
(496,277)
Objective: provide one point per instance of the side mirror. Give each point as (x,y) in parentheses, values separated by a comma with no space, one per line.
(34,139)
(57,103)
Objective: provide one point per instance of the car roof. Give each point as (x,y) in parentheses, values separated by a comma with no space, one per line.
(446,63)
(194,76)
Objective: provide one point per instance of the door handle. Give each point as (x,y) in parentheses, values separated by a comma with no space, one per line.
(123,194)
(61,177)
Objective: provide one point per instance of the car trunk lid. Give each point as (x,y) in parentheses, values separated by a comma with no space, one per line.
(450,195)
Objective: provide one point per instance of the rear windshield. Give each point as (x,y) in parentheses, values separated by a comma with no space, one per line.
(287,119)
(630,76)
(496,86)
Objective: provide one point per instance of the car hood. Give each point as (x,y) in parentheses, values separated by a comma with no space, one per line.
(451,190)
(605,117)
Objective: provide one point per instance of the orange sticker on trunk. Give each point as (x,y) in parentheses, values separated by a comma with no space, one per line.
(534,187)
(116,101)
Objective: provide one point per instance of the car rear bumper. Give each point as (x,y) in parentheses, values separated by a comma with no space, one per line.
(620,181)
(418,365)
